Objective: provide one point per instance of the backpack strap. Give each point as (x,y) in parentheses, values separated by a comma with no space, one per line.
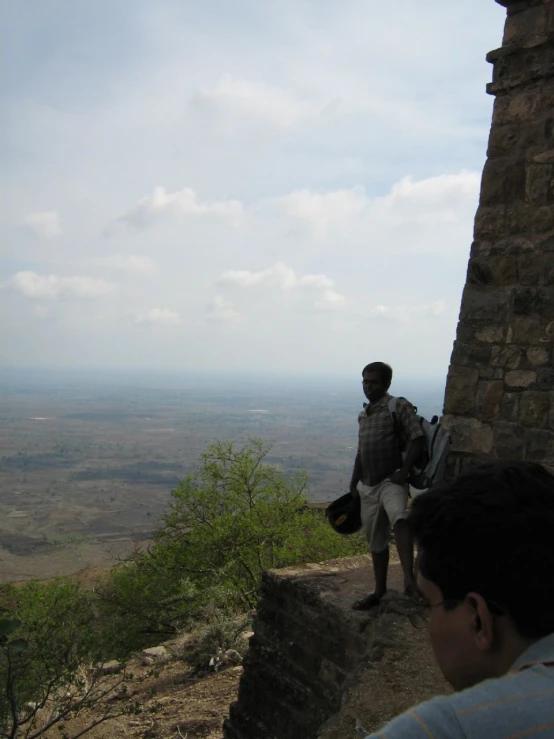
(392,405)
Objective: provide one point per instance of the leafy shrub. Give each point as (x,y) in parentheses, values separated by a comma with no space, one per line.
(228,522)
(48,644)
(208,642)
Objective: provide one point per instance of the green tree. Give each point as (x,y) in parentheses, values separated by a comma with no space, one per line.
(235,517)
(48,646)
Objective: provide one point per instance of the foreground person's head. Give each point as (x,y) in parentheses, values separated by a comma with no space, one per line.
(486,567)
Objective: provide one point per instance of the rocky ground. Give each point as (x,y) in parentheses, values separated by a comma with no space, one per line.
(169,700)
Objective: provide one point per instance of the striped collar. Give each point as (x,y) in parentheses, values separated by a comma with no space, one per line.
(539,653)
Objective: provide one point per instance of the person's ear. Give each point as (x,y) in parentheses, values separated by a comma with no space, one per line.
(482,621)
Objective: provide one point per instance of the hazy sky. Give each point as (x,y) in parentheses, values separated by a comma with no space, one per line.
(283,185)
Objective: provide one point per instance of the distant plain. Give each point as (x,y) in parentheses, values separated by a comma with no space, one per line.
(88,462)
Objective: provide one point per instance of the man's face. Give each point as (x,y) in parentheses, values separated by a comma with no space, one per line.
(452,634)
(373,386)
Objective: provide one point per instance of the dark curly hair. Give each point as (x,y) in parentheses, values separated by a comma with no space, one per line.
(491,531)
(383,370)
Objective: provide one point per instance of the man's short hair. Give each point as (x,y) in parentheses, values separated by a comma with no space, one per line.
(384,371)
(491,532)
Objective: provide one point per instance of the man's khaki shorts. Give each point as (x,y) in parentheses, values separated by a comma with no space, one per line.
(382,506)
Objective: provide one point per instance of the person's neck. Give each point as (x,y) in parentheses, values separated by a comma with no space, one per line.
(512,647)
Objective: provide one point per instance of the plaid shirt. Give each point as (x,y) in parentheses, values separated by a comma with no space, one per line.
(378,444)
(518,705)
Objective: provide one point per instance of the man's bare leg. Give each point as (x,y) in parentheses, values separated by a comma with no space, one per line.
(405,547)
(380,568)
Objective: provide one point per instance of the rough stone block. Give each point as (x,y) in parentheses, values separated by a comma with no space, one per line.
(469,435)
(509,407)
(529,22)
(505,270)
(520,378)
(489,395)
(534,409)
(545,157)
(491,373)
(509,440)
(545,379)
(460,389)
(516,70)
(519,218)
(472,355)
(506,356)
(530,301)
(537,355)
(503,180)
(465,331)
(491,305)
(480,249)
(539,184)
(479,272)
(540,446)
(529,268)
(490,334)
(547,245)
(543,220)
(527,330)
(523,106)
(490,221)
(548,270)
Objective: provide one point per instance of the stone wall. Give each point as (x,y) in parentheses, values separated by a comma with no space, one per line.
(310,651)
(500,390)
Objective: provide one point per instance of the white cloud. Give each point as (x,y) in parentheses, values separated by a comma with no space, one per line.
(52,287)
(253,102)
(160,317)
(342,214)
(433,200)
(127,263)
(221,309)
(281,278)
(44,224)
(404,313)
(183,202)
(319,211)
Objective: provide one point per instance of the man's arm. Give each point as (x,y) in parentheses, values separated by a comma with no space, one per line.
(415,450)
(356,475)
(412,432)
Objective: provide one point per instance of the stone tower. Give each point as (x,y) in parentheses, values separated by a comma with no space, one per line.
(499,400)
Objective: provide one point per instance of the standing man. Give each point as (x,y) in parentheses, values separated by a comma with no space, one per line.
(380,478)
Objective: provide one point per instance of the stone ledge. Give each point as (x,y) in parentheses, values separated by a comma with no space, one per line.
(308,646)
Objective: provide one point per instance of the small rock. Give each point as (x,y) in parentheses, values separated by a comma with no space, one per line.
(231,656)
(248,635)
(157,653)
(147,661)
(110,668)
(238,670)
